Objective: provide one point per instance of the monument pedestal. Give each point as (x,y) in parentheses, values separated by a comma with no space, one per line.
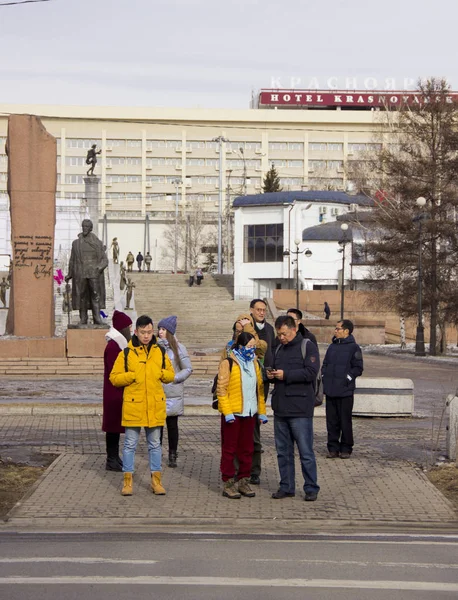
(86,343)
(14,347)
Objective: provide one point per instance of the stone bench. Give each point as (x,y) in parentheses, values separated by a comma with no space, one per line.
(381,397)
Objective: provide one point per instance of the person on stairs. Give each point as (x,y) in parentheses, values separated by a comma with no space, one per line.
(240,393)
(117,338)
(141,369)
(174,392)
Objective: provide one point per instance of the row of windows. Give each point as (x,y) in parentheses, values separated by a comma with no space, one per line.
(124,178)
(277,163)
(325,164)
(210,144)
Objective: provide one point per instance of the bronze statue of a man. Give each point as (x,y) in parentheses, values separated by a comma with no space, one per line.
(115,250)
(4,285)
(91,159)
(87,264)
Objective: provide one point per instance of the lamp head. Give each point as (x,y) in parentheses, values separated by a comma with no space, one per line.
(421,202)
(308,253)
(297,241)
(344,227)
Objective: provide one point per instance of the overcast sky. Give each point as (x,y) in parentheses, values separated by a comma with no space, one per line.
(213,53)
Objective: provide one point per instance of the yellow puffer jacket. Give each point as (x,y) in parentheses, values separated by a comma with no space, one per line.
(143,399)
(229,388)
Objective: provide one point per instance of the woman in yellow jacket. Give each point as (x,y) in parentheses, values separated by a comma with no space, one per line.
(141,372)
(240,393)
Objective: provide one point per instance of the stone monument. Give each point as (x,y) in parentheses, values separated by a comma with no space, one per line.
(32,179)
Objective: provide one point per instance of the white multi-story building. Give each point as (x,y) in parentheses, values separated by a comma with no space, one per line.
(276,232)
(154,158)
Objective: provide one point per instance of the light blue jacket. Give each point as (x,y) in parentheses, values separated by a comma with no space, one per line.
(174,392)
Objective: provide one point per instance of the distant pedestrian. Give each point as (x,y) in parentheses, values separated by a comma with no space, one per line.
(148,259)
(240,392)
(327,311)
(174,391)
(191,280)
(199,276)
(342,364)
(130,261)
(305,333)
(141,373)
(139,260)
(117,338)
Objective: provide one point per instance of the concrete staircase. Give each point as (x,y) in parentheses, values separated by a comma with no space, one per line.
(206,313)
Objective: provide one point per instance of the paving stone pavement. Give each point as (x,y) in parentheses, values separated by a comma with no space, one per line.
(371,487)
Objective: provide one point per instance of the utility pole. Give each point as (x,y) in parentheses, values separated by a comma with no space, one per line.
(177,183)
(228,219)
(220,139)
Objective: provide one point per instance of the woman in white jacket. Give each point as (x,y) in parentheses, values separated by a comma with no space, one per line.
(174,392)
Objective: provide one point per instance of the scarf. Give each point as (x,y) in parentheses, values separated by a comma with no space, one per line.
(245,359)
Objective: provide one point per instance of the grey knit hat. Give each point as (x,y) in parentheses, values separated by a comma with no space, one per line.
(169,323)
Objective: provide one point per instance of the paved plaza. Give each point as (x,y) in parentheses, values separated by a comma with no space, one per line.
(371,489)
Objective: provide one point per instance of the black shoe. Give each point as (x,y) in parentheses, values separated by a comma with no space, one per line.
(255,480)
(113,465)
(119,461)
(280,494)
(172,460)
(332,455)
(345,455)
(310,496)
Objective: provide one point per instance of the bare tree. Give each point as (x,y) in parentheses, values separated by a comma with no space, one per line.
(417,159)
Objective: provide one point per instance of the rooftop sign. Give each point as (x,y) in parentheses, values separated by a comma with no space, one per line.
(343,98)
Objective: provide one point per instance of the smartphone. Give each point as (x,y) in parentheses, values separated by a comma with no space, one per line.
(270,369)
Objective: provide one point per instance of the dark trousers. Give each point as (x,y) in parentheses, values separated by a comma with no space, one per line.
(339,424)
(257,452)
(172,433)
(112,444)
(236,442)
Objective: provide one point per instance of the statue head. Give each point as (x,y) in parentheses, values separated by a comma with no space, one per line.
(94,145)
(87,226)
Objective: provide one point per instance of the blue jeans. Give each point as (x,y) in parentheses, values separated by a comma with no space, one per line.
(288,430)
(153,438)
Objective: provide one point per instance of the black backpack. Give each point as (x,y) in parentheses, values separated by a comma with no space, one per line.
(318,384)
(215,384)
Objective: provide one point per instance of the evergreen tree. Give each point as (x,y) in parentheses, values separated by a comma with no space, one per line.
(271,181)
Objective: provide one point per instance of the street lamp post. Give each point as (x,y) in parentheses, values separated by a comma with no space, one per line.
(177,183)
(307,253)
(343,242)
(220,139)
(420,336)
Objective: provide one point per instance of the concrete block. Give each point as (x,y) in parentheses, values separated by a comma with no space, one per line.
(14,348)
(452,431)
(88,343)
(384,397)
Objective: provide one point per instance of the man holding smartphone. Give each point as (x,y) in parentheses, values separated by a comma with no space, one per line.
(293,403)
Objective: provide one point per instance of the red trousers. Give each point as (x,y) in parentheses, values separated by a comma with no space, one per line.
(237,441)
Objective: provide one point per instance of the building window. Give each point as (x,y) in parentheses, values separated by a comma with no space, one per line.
(263,243)
(278,146)
(80,143)
(75,161)
(134,143)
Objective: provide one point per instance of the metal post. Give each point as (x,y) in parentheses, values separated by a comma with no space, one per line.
(297,278)
(177,182)
(220,139)
(420,337)
(342,289)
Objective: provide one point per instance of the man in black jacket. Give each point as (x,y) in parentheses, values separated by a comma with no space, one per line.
(265,332)
(306,333)
(342,364)
(293,402)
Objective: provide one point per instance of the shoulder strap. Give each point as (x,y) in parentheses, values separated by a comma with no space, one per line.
(304,347)
(126,354)
(163,356)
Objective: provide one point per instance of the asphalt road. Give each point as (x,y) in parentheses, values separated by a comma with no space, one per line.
(145,565)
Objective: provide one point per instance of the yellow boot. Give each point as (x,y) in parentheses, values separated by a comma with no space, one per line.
(127,489)
(156,484)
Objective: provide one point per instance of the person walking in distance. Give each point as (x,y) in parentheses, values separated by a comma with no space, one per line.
(293,403)
(174,391)
(141,369)
(266,333)
(130,261)
(117,339)
(240,393)
(342,364)
(139,260)
(148,259)
(327,311)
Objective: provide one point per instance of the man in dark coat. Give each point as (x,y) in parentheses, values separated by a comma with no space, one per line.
(117,339)
(139,260)
(87,264)
(306,333)
(293,403)
(265,332)
(342,364)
